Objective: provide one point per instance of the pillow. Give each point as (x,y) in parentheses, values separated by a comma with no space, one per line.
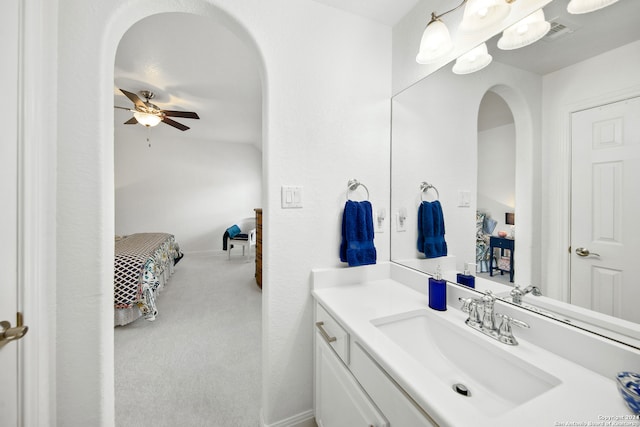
(489,225)
(233,231)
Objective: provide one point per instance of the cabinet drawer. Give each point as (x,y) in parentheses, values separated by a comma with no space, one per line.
(497,242)
(396,405)
(331,331)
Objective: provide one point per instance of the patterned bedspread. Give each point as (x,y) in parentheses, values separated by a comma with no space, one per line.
(143,262)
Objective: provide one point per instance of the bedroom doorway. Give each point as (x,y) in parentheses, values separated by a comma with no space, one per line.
(193,184)
(495,217)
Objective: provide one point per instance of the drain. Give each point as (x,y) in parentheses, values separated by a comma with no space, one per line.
(461,389)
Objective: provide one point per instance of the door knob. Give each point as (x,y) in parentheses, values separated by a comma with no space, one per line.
(584,252)
(9,333)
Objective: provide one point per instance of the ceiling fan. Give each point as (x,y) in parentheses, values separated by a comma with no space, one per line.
(148,114)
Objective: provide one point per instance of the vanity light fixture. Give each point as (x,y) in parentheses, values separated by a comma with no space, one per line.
(146,119)
(525,32)
(577,7)
(478,14)
(436,41)
(474,60)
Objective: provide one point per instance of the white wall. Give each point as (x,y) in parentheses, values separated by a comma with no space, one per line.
(326,80)
(596,81)
(191,188)
(497,173)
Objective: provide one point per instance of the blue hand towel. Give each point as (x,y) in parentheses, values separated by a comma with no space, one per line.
(233,231)
(357,247)
(431,230)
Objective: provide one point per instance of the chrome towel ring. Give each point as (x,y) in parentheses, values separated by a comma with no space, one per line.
(424,187)
(353,185)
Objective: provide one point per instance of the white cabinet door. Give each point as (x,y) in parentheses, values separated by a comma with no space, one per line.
(339,400)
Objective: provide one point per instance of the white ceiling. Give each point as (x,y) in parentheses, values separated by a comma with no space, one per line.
(593,33)
(387,12)
(191,64)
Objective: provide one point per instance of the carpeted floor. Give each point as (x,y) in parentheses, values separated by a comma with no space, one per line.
(199,362)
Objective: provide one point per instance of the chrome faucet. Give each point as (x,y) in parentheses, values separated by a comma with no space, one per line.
(487,325)
(517,293)
(488,318)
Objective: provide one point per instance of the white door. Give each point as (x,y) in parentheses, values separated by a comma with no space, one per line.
(9,31)
(605,221)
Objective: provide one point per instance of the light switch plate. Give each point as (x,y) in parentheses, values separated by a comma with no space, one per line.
(464,198)
(291,196)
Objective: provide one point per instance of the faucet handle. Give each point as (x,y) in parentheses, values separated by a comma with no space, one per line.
(488,298)
(516,294)
(505,334)
(470,305)
(466,304)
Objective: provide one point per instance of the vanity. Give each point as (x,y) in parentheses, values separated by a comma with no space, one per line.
(383,358)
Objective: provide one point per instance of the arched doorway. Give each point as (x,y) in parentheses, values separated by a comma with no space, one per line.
(193,184)
(85,196)
(496,183)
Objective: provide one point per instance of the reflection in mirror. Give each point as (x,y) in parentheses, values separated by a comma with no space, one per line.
(584,62)
(495,188)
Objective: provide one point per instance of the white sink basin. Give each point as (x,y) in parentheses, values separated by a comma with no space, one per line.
(456,354)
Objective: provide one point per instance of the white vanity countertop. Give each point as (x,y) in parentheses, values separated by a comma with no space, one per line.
(583,397)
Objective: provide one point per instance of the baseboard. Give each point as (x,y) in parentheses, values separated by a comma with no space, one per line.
(304,419)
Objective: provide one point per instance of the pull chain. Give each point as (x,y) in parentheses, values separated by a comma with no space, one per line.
(148,133)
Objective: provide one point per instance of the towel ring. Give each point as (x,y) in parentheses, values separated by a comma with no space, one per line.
(353,185)
(424,187)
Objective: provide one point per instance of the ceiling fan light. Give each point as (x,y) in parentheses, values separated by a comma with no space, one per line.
(474,60)
(578,7)
(524,32)
(435,43)
(146,119)
(479,14)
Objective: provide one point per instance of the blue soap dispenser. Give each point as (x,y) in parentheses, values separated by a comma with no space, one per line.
(437,292)
(466,278)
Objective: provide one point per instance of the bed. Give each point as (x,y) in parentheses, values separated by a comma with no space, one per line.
(144,262)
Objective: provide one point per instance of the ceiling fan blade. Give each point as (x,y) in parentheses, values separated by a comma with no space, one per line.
(184,114)
(175,124)
(131,121)
(123,108)
(134,98)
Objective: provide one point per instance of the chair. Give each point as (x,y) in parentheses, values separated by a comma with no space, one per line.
(249,229)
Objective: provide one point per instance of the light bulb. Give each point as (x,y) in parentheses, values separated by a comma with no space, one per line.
(147,119)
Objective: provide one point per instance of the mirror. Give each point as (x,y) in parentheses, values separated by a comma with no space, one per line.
(585,61)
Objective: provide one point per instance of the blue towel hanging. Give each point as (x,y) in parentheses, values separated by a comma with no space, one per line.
(431,230)
(356,247)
